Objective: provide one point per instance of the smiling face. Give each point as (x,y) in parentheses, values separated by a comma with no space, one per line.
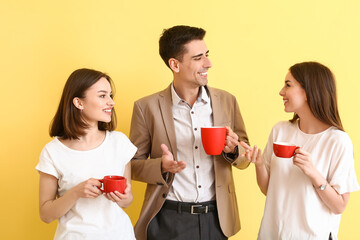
(294,96)
(193,68)
(97,105)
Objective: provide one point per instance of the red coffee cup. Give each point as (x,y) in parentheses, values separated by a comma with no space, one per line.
(284,149)
(113,183)
(213,139)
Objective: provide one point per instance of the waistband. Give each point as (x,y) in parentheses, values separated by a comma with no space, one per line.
(192,208)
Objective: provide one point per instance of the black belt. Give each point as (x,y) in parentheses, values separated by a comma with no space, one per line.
(192,208)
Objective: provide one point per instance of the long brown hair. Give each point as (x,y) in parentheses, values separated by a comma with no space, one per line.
(68,122)
(319,84)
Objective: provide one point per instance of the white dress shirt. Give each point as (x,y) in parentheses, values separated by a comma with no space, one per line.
(196,183)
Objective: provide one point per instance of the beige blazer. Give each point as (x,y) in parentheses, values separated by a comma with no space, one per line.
(151,125)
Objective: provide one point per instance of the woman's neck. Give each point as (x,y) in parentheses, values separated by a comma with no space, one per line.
(311,125)
(92,138)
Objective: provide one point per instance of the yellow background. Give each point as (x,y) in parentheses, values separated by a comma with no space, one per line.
(252,44)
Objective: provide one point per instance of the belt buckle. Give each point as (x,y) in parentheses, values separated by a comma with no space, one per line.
(192,209)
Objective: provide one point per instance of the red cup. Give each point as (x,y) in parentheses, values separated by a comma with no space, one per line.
(113,183)
(284,149)
(213,139)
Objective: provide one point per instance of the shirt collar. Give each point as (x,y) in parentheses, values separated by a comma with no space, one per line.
(203,96)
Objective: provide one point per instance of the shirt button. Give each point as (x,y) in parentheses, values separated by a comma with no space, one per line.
(197,166)
(196,147)
(199,186)
(195,129)
(192,112)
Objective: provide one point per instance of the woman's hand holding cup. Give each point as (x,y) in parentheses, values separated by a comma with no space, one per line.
(87,189)
(117,196)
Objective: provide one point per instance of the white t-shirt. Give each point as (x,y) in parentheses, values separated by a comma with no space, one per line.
(97,218)
(293,210)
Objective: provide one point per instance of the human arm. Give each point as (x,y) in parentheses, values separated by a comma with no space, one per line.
(331,198)
(148,134)
(254,156)
(123,199)
(52,208)
(140,136)
(233,152)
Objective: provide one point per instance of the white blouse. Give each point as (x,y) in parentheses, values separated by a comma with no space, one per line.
(293,210)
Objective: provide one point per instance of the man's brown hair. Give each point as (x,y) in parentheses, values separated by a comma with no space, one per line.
(172,41)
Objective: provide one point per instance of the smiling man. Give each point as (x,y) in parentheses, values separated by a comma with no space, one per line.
(189,194)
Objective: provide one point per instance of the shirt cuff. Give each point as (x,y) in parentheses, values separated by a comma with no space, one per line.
(231,157)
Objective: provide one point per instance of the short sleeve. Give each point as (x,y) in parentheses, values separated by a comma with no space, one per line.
(342,176)
(128,149)
(46,165)
(268,151)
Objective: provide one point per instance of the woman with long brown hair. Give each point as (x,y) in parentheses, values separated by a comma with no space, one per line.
(306,194)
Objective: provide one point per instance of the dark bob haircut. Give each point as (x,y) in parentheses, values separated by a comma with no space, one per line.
(68,122)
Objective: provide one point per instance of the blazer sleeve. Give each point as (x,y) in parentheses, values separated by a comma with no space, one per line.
(239,128)
(143,168)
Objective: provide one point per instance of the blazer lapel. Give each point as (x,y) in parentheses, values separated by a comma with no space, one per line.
(217,113)
(216,106)
(165,102)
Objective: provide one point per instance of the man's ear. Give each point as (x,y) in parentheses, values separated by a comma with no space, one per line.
(174,65)
(78,103)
